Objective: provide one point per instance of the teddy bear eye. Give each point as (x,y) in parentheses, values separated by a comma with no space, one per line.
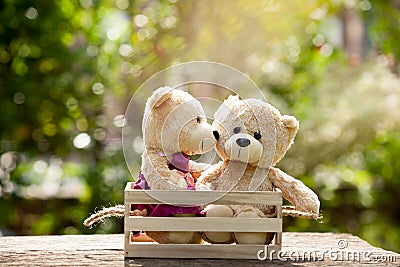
(198,119)
(236,130)
(257,135)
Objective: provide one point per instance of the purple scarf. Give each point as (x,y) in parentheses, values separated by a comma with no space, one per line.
(180,162)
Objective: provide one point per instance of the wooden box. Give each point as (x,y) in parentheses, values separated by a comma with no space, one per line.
(201,224)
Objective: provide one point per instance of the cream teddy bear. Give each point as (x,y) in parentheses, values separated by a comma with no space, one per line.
(174,124)
(174,127)
(253,137)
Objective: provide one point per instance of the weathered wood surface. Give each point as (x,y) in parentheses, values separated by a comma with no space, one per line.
(108,250)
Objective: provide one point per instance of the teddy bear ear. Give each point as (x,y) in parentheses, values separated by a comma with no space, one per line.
(160,96)
(290,122)
(230,100)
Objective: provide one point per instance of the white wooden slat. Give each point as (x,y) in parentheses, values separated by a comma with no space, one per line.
(127,240)
(278,236)
(128,186)
(188,197)
(202,251)
(213,224)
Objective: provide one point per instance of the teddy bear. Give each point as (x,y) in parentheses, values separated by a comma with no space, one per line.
(253,137)
(174,127)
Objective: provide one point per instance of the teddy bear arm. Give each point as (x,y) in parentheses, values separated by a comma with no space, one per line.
(159,176)
(197,168)
(168,180)
(208,179)
(164,185)
(299,195)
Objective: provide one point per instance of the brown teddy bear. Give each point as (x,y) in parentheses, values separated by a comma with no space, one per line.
(174,127)
(253,137)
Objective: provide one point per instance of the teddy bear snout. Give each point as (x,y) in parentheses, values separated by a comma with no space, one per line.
(199,139)
(243,142)
(206,145)
(243,147)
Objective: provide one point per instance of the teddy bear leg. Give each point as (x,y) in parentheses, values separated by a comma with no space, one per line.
(171,237)
(252,238)
(219,237)
(176,237)
(196,239)
(180,237)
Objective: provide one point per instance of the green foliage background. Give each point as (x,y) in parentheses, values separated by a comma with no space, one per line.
(69,68)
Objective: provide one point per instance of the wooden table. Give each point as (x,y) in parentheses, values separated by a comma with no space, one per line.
(108,250)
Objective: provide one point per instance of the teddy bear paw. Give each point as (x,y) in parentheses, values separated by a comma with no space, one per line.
(251,238)
(219,237)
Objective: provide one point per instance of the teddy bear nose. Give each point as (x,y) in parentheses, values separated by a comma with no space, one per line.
(243,142)
(216,135)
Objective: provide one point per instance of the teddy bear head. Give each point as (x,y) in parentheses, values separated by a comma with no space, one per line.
(253,131)
(174,121)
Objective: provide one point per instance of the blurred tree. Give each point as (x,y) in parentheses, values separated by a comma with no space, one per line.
(384,25)
(46,75)
(66,70)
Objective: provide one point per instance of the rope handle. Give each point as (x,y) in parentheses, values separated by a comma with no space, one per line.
(116,211)
(291,211)
(119,211)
